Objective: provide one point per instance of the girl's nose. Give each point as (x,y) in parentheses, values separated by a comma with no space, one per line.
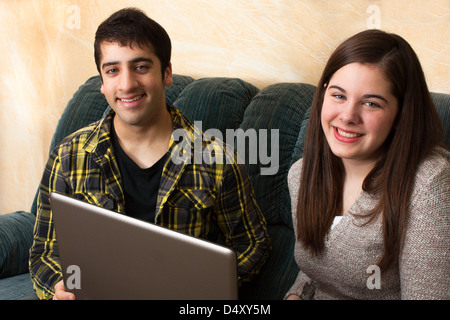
(350,113)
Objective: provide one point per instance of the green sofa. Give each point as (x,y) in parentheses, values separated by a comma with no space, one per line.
(220,103)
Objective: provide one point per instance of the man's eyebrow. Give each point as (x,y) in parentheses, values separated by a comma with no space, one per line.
(135,60)
(366,96)
(141,59)
(107,64)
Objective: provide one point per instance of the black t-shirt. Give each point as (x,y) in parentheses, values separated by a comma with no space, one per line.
(140,185)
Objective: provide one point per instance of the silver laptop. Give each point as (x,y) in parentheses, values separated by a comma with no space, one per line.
(106,255)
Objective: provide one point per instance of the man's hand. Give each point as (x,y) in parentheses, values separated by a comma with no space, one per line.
(61,293)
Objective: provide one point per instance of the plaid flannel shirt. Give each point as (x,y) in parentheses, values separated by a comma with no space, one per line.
(191,196)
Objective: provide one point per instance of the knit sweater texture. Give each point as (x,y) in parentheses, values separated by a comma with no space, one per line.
(347,267)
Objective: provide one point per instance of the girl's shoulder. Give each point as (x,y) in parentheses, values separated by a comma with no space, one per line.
(432,179)
(295,171)
(436,163)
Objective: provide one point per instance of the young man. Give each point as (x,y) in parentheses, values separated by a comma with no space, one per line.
(125,161)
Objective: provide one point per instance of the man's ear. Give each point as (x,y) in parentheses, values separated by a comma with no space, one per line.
(168,79)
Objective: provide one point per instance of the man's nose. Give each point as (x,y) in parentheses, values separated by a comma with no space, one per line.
(127,81)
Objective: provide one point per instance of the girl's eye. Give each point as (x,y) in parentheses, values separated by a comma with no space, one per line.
(339,96)
(372,104)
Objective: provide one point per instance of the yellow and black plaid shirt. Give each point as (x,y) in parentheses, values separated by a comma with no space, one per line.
(192,196)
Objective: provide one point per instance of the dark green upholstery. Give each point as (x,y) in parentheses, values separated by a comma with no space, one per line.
(442,103)
(15,239)
(219,103)
(222,103)
(281,107)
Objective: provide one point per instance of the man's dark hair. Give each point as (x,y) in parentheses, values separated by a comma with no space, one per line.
(131,26)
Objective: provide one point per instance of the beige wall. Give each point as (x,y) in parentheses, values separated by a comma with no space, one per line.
(46,53)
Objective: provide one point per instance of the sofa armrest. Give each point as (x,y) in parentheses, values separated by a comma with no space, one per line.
(16,237)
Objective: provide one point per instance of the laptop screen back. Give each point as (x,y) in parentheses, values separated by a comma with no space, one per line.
(107,255)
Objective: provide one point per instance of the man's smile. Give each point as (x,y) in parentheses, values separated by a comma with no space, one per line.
(131,99)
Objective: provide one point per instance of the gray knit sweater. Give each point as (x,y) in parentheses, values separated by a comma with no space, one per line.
(347,268)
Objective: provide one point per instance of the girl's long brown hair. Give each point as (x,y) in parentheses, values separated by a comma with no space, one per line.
(416,131)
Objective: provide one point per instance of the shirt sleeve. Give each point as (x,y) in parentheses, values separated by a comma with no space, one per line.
(241,221)
(303,287)
(44,263)
(424,261)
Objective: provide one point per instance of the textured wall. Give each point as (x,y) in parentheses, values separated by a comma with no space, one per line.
(46,53)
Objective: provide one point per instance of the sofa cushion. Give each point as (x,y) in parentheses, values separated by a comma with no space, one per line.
(278,273)
(179,84)
(16,237)
(442,103)
(18,287)
(219,103)
(281,107)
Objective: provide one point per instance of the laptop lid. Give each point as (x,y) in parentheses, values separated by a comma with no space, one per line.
(107,255)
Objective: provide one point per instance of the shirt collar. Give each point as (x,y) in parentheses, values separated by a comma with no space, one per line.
(100,139)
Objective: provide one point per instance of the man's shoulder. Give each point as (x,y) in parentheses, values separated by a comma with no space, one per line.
(81,137)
